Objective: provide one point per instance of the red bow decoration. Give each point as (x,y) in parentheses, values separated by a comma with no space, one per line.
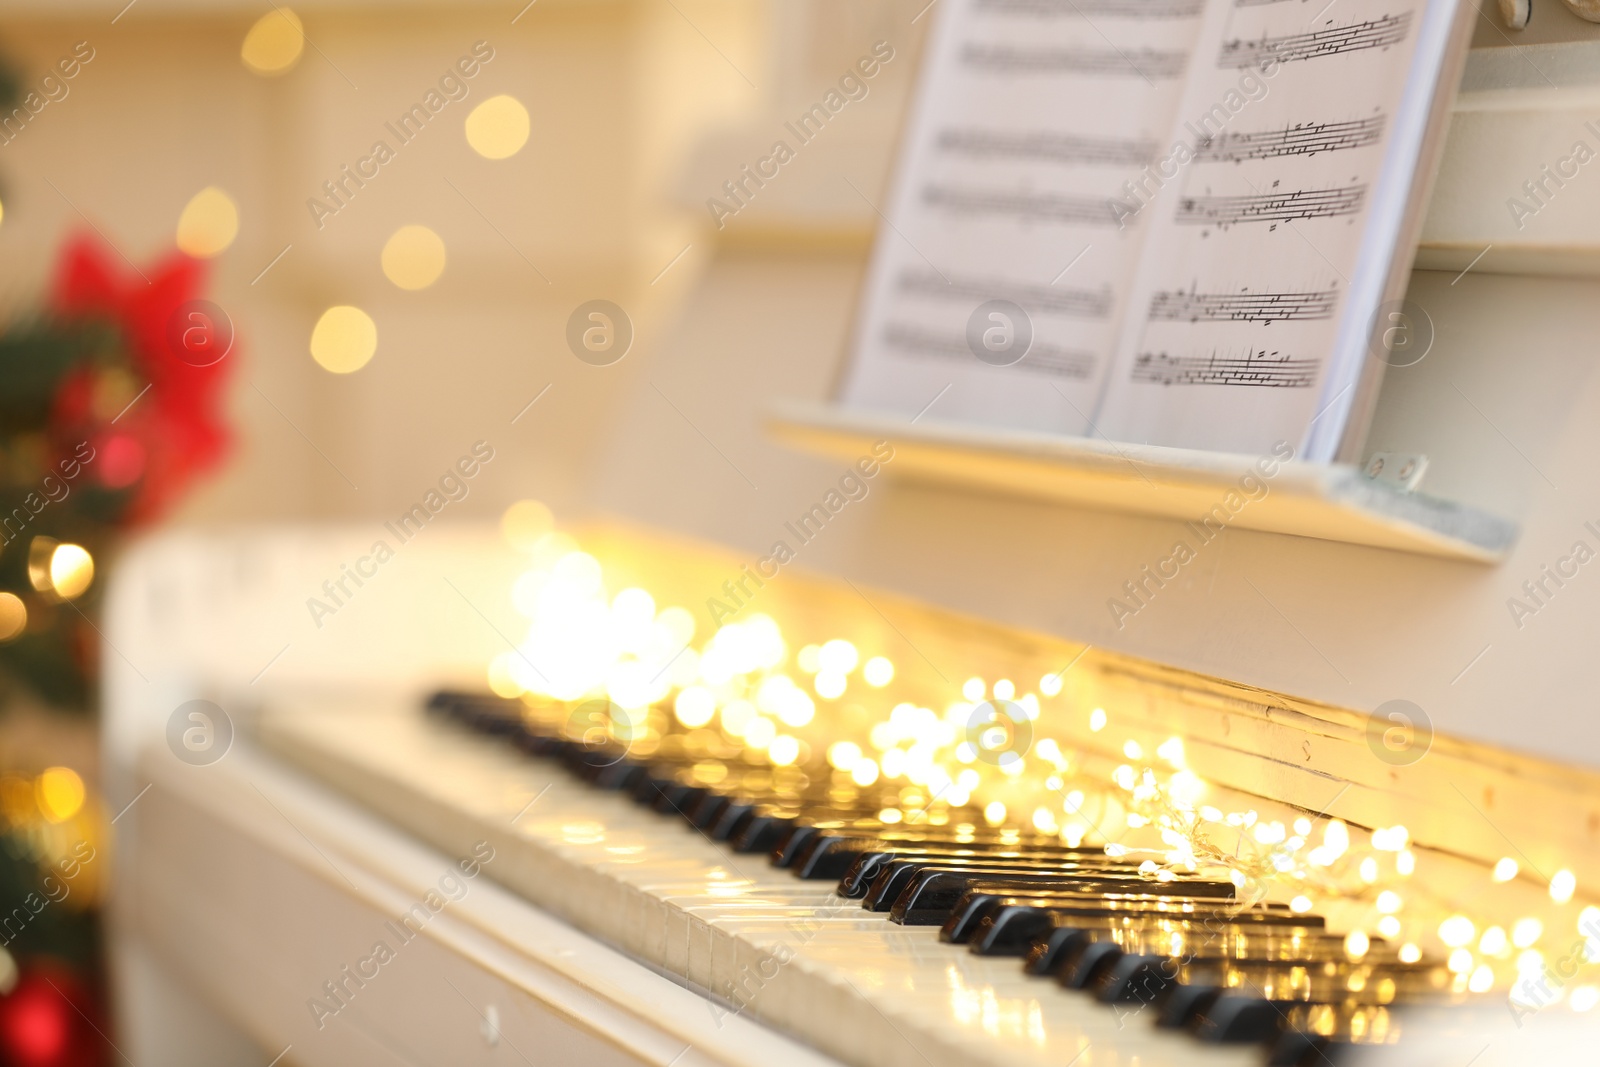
(173,432)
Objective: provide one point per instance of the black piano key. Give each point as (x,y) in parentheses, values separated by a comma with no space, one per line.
(1184,1003)
(1234,1019)
(1140,979)
(933,892)
(731,819)
(674,797)
(704,815)
(1048,954)
(1299,1049)
(867,859)
(1082,968)
(793,841)
(896,875)
(761,832)
(837,854)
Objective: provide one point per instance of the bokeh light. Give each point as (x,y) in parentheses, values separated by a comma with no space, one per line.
(209,223)
(274,43)
(413,257)
(498,127)
(344,339)
(13,616)
(60,792)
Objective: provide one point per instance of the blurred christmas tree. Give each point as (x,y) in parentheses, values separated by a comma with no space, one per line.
(109,410)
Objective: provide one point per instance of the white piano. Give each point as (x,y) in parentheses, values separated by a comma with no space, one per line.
(327,875)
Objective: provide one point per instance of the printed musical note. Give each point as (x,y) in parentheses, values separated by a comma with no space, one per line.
(1169,305)
(1134,9)
(1045,146)
(1256,367)
(1270,207)
(1335,40)
(1036,299)
(1009,59)
(1300,139)
(1042,358)
(1029,207)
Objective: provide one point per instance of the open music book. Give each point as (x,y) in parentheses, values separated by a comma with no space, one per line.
(1180,222)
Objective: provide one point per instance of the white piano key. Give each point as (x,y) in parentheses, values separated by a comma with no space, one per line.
(852,983)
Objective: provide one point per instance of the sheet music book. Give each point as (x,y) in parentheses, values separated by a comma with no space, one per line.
(1163,221)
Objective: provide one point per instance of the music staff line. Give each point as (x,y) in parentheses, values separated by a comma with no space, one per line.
(1024,206)
(1042,358)
(1178,305)
(1297,47)
(1046,146)
(1271,207)
(1300,139)
(1037,299)
(1257,367)
(1147,63)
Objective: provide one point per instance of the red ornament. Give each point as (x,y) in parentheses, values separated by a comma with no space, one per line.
(45,1021)
(175,431)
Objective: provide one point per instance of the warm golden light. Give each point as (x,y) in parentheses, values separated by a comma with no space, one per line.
(498,127)
(1562,886)
(274,43)
(413,257)
(344,339)
(60,793)
(13,616)
(59,570)
(525,523)
(209,223)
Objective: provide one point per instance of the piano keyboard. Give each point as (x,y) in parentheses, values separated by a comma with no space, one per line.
(876,941)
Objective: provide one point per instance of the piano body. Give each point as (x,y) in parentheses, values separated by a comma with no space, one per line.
(355,881)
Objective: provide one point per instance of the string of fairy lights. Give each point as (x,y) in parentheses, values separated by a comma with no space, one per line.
(744,686)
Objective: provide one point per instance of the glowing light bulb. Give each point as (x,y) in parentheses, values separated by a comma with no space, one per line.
(865,772)
(837,657)
(1050,684)
(1410,953)
(829,685)
(1356,944)
(878,672)
(60,793)
(1389,926)
(1482,979)
(1097,720)
(1457,931)
(1004,689)
(1132,750)
(1389,902)
(784,750)
(1300,904)
(695,706)
(1493,942)
(1562,886)
(994,813)
(973,689)
(1525,933)
(1584,998)
(13,616)
(843,755)
(1505,869)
